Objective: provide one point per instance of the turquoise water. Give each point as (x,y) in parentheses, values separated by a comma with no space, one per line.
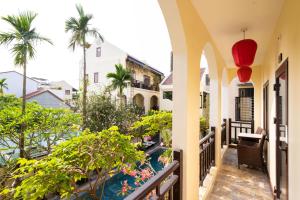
(114,184)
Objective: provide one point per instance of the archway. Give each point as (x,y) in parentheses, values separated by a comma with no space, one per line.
(154,103)
(138,100)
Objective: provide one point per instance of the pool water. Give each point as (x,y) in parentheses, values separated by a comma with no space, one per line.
(113,186)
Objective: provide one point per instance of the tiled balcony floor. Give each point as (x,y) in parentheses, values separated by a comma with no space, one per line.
(239,184)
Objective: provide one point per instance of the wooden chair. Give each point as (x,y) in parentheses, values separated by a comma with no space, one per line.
(251,153)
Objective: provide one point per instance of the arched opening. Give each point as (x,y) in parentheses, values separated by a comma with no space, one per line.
(154,103)
(138,100)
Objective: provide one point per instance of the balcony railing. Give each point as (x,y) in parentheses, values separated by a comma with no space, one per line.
(207,154)
(142,85)
(166,183)
(236,127)
(223,133)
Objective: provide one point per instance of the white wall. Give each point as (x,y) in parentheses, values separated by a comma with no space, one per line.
(14,81)
(110,55)
(48,100)
(165,104)
(62,93)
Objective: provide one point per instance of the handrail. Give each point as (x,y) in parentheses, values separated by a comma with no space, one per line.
(155,183)
(207,154)
(246,126)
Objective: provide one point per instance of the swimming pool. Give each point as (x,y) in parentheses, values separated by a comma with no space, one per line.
(113,186)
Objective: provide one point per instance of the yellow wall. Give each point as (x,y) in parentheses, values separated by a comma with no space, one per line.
(286,40)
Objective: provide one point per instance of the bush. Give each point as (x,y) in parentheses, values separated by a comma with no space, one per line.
(92,156)
(102,113)
(204,126)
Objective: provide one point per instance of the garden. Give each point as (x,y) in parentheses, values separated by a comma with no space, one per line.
(63,160)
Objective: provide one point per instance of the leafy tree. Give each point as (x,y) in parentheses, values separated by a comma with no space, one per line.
(45,127)
(120,79)
(24,38)
(3,85)
(80,30)
(152,124)
(9,101)
(91,156)
(103,113)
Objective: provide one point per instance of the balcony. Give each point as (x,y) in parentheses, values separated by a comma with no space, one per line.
(140,84)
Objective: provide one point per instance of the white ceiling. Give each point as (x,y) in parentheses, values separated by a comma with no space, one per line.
(225,19)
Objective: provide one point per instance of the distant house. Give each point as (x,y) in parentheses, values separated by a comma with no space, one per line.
(14,81)
(46,98)
(142,90)
(166,92)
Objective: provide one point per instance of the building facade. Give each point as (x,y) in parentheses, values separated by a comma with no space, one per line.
(143,89)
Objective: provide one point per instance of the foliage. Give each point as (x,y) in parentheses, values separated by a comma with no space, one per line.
(84,157)
(7,101)
(24,38)
(3,85)
(204,126)
(120,78)
(152,124)
(80,30)
(44,126)
(103,113)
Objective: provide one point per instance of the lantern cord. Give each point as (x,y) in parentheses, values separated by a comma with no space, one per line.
(244,32)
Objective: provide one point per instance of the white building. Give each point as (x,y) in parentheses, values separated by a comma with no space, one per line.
(62,89)
(46,98)
(14,82)
(34,85)
(166,92)
(144,87)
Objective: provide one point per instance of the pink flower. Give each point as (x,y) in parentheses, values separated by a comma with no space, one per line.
(133,173)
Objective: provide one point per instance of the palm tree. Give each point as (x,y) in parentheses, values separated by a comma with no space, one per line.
(3,85)
(120,79)
(80,30)
(24,38)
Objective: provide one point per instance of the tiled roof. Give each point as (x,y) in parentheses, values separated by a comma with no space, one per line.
(132,59)
(41,91)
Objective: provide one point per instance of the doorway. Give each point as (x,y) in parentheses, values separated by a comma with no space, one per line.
(281,120)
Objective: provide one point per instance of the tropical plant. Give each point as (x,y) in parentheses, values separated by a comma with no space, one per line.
(3,85)
(204,126)
(91,156)
(80,31)
(120,79)
(103,113)
(24,38)
(45,127)
(152,124)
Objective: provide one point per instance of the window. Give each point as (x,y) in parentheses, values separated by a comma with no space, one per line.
(67,92)
(98,52)
(96,77)
(168,95)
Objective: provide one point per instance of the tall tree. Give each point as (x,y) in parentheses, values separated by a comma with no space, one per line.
(23,38)
(80,29)
(3,85)
(120,79)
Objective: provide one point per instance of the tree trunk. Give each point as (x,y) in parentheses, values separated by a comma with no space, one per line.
(23,126)
(84,87)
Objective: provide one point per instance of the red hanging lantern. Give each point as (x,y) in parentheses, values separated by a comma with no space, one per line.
(244,74)
(243,52)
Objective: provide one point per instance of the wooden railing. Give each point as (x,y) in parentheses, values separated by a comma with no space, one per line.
(166,183)
(207,154)
(236,127)
(223,133)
